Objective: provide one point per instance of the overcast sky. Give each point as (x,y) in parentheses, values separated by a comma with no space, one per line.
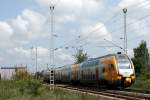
(26,23)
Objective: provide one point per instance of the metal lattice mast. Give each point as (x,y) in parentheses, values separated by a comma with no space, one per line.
(125,33)
(51,49)
(36,63)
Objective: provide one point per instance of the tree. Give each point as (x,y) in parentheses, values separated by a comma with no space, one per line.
(141,57)
(80,56)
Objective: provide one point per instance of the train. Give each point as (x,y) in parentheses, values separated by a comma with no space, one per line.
(112,70)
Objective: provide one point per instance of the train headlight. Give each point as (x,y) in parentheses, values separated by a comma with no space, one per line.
(128,80)
(119,77)
(132,76)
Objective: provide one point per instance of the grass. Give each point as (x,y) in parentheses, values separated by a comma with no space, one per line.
(10,90)
(33,90)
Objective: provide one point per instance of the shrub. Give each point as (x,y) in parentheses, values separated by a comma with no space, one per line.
(31,87)
(143,80)
(22,75)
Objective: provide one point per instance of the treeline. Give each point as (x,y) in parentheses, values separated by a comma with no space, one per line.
(141,63)
(141,58)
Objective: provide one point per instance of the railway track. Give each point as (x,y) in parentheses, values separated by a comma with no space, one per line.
(138,90)
(113,94)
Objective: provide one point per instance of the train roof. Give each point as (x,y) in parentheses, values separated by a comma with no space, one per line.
(105,56)
(90,59)
(64,66)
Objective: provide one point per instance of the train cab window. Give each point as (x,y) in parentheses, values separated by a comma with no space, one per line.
(123,62)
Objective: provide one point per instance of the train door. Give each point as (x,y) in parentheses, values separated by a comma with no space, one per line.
(97,73)
(111,71)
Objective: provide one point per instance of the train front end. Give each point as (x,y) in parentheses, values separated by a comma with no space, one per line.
(126,72)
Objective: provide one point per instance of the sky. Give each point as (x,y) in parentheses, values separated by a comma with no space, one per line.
(93,25)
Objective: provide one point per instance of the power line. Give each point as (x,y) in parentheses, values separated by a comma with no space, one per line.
(100,28)
(132,11)
(113,30)
(142,18)
(132,39)
(88,33)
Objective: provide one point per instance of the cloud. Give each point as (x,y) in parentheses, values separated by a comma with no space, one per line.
(6,31)
(65,5)
(130,52)
(75,7)
(35,20)
(139,28)
(126,3)
(135,3)
(66,18)
(19,24)
(63,57)
(92,6)
(25,55)
(43,52)
(96,33)
(1,59)
(17,34)
(18,52)
(22,52)
(28,25)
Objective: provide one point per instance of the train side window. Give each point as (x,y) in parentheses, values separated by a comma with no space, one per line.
(82,74)
(112,66)
(103,70)
(91,76)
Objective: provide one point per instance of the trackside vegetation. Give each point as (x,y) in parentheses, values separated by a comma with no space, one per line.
(25,87)
(10,90)
(141,62)
(143,79)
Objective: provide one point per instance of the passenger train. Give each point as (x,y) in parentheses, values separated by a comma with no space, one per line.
(113,70)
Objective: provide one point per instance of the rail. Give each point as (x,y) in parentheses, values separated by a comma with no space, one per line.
(118,94)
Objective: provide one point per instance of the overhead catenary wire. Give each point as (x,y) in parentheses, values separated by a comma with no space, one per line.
(115,30)
(88,33)
(142,18)
(133,8)
(84,38)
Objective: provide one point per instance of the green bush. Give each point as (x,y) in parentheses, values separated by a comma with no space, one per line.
(10,90)
(143,80)
(31,87)
(22,75)
(22,86)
